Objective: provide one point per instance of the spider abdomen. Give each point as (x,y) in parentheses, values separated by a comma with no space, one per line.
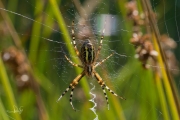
(87,57)
(87,53)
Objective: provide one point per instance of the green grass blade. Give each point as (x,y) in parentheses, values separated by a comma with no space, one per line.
(8,90)
(67,39)
(3,114)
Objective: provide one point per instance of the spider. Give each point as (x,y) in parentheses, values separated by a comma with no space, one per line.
(88,58)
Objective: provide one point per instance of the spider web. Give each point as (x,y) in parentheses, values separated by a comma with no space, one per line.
(105,16)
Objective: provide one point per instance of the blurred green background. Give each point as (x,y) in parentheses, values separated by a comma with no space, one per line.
(35,35)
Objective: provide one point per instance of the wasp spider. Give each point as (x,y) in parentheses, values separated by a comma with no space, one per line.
(88,57)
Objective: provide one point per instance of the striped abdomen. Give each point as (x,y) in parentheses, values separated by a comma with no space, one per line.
(87,53)
(88,57)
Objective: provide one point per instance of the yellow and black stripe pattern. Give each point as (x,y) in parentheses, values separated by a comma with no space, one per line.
(88,56)
(87,53)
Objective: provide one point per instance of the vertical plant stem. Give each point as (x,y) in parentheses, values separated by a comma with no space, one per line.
(18,44)
(167,80)
(67,40)
(46,32)
(158,80)
(116,104)
(12,5)
(8,90)
(167,86)
(3,114)
(125,35)
(36,31)
(10,27)
(161,97)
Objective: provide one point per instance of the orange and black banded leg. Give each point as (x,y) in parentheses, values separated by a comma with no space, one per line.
(72,87)
(99,63)
(74,64)
(101,82)
(74,39)
(112,92)
(100,45)
(99,79)
(67,89)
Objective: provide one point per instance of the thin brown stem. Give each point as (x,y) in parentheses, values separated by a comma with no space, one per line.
(18,44)
(153,23)
(10,27)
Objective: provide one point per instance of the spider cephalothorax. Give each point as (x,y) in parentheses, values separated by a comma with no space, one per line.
(88,56)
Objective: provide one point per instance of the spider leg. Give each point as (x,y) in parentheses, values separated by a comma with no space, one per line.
(67,89)
(74,64)
(112,92)
(99,63)
(99,79)
(70,100)
(104,91)
(72,87)
(74,39)
(100,45)
(103,85)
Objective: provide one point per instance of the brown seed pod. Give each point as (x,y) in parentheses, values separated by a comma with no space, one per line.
(16,61)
